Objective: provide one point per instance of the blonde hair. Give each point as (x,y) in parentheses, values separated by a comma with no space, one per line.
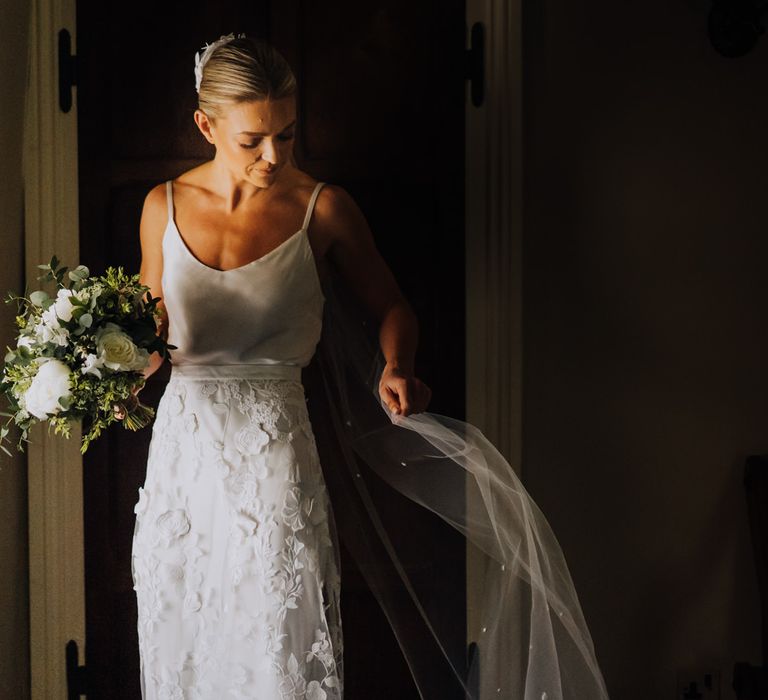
(242,70)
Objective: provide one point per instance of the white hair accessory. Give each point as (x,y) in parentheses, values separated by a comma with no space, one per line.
(208,49)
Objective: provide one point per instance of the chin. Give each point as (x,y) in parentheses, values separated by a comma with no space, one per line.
(262,180)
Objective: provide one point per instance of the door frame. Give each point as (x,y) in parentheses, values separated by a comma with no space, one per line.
(493,206)
(494,244)
(55,466)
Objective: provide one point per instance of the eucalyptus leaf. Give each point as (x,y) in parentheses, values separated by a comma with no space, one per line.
(79,273)
(38,297)
(86,320)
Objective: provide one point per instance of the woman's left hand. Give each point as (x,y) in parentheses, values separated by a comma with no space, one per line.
(402,392)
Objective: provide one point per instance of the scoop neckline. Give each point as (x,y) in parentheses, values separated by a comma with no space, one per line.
(172,224)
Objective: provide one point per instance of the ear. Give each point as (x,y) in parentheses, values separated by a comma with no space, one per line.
(205,124)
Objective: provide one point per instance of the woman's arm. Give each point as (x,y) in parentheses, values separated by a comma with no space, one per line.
(353,252)
(151,229)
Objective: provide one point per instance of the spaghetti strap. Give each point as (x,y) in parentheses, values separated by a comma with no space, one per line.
(169,193)
(311,205)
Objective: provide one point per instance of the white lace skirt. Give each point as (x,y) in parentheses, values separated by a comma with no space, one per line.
(235,553)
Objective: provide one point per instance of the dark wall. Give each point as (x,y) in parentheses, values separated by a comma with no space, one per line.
(645,296)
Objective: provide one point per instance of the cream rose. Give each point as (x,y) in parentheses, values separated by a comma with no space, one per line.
(118,351)
(49,385)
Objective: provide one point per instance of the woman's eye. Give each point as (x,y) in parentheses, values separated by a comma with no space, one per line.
(282,137)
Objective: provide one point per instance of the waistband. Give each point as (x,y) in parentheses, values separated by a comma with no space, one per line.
(243,371)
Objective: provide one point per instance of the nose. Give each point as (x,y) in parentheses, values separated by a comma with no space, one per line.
(269,151)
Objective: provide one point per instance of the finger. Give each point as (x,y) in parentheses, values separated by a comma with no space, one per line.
(406,399)
(391,399)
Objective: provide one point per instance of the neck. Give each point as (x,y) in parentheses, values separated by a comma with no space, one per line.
(235,189)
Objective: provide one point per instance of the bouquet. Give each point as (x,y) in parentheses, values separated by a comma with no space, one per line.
(81,354)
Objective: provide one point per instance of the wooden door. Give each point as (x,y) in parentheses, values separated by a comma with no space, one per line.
(369,73)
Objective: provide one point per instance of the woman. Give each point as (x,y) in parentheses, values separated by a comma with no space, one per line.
(235,554)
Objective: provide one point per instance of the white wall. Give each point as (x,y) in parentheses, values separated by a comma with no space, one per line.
(645,327)
(14,610)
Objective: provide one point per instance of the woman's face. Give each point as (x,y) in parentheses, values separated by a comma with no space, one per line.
(252,138)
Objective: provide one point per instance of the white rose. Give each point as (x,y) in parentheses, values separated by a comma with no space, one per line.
(63,304)
(49,385)
(118,351)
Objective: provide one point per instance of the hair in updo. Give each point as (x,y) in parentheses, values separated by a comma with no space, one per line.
(242,70)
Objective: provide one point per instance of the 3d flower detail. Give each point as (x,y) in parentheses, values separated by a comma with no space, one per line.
(293,683)
(173,524)
(243,525)
(192,601)
(174,572)
(175,404)
(251,439)
(315,691)
(190,423)
(141,505)
(292,509)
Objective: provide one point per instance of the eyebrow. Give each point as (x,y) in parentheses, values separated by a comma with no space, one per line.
(262,133)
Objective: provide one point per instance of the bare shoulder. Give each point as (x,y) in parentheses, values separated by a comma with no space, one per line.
(341,216)
(155,212)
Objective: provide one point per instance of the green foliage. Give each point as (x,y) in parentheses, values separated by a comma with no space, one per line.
(67,327)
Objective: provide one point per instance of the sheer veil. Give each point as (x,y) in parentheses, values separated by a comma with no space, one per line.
(534,643)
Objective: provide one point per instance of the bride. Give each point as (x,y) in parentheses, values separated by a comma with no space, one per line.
(235,555)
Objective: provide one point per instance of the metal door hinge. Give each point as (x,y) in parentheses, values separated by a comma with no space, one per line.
(474,63)
(76,674)
(67,70)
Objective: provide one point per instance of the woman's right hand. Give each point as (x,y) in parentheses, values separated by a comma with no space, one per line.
(130,403)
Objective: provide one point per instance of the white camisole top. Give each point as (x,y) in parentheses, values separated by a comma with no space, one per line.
(266,312)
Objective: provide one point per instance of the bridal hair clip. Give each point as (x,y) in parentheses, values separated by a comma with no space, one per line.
(208,49)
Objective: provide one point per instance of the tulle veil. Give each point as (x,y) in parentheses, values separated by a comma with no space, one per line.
(534,642)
